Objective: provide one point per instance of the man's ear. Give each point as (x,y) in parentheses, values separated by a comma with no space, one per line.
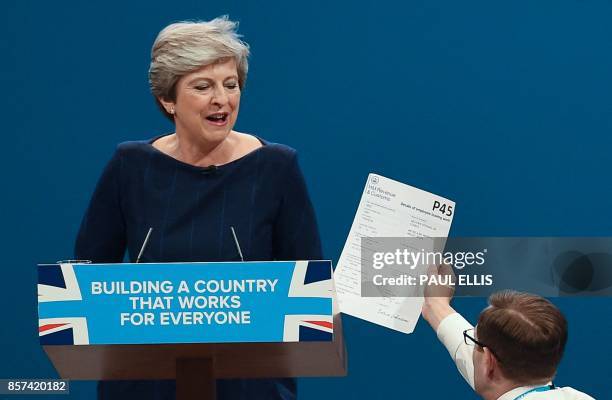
(491,364)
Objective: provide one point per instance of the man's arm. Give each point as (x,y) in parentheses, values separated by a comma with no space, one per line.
(438,297)
(448,324)
(435,310)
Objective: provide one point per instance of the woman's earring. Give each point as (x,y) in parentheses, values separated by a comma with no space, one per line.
(172,110)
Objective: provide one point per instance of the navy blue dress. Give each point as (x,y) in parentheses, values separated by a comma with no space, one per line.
(191,209)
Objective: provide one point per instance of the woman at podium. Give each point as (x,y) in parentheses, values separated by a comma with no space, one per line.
(204,192)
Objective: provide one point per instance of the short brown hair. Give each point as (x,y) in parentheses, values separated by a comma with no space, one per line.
(526,332)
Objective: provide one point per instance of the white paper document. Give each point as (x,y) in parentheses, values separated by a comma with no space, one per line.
(388,209)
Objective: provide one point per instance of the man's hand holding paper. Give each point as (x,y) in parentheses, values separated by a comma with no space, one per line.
(392,214)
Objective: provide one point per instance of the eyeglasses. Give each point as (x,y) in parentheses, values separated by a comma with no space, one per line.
(470,340)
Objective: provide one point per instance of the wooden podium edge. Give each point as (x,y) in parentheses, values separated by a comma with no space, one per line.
(231,360)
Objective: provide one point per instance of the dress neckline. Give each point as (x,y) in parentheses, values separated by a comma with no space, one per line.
(150,142)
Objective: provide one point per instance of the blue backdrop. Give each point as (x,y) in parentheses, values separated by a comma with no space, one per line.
(504,107)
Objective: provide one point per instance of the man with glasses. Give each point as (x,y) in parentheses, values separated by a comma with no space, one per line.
(513,352)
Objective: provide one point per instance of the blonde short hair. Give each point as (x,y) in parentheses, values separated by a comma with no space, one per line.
(184,47)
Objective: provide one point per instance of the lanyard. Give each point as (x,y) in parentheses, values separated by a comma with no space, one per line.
(538,389)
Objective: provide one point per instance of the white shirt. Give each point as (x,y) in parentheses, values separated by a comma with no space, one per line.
(450,333)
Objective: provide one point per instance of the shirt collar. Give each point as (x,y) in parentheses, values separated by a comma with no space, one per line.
(514,393)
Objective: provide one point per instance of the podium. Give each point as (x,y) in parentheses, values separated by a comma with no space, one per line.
(192,322)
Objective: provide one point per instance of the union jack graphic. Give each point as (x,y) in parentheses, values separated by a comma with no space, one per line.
(310,279)
(57,282)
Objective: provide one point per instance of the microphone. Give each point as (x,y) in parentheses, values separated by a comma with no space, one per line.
(211,169)
(144,245)
(237,244)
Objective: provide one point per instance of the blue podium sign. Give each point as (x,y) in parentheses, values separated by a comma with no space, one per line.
(226,302)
